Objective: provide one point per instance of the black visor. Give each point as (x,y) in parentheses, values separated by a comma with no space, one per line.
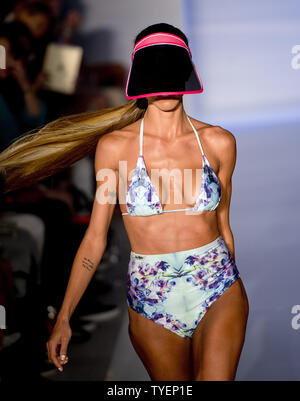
(163,69)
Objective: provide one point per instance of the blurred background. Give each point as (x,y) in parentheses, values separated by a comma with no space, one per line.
(248,56)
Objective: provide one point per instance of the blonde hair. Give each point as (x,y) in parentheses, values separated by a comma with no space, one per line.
(45,151)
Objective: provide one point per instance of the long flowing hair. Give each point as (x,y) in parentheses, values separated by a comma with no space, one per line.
(45,151)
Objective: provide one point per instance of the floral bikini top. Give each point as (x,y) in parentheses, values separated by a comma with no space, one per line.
(143,200)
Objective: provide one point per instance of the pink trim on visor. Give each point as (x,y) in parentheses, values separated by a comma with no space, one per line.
(160,38)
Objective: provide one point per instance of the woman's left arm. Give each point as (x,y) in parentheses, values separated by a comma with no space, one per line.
(226,149)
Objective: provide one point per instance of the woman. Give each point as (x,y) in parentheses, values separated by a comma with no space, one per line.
(186,302)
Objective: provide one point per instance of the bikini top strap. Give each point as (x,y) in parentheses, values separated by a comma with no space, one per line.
(141,136)
(196,133)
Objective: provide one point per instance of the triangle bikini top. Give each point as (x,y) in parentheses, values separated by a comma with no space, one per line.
(143,200)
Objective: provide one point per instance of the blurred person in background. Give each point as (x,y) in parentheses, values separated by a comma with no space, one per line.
(21,109)
(58,19)
(68,16)
(47,21)
(36,15)
(28,28)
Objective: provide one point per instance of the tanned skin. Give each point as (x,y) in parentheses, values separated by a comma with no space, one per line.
(169,142)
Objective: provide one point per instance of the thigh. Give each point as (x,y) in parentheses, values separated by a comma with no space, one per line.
(219,337)
(165,355)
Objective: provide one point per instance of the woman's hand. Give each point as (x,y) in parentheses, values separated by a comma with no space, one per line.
(41,78)
(58,343)
(19,73)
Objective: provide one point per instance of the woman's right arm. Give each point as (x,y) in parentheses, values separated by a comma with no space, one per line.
(90,251)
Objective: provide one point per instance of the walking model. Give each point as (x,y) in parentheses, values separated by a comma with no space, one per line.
(186,302)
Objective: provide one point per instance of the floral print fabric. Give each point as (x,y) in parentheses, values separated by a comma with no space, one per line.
(142,198)
(210,193)
(176,289)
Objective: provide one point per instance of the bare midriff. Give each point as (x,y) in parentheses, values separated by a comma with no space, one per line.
(171,232)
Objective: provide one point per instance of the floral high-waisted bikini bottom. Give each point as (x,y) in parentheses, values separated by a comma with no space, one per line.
(176,289)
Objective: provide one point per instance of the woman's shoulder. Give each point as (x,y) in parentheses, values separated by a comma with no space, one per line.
(216,134)
(118,140)
(121,134)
